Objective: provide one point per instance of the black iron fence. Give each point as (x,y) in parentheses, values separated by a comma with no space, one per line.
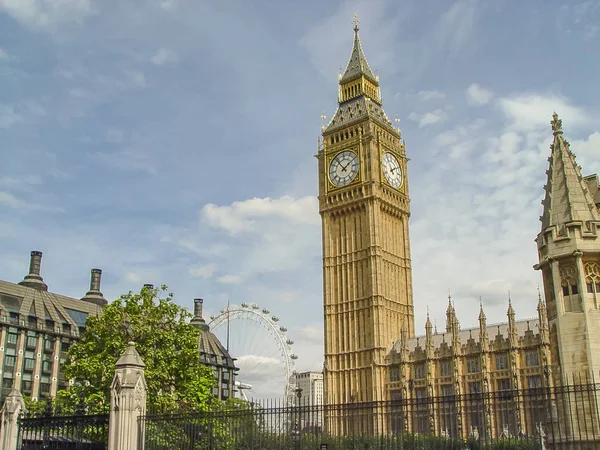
(48,431)
(565,417)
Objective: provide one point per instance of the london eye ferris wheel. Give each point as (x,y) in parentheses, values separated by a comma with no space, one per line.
(263,351)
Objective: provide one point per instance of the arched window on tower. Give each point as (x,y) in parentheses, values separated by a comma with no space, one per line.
(592,277)
(568,281)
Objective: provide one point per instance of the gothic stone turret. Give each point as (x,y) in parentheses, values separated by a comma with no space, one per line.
(569,259)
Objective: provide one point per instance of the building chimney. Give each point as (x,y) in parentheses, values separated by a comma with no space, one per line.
(94,295)
(198,321)
(33,279)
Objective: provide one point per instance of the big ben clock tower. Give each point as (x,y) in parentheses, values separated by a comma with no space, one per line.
(364,207)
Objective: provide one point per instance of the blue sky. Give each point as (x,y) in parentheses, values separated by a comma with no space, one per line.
(172,141)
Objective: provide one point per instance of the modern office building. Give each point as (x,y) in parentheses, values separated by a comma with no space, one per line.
(37,327)
(309,385)
(214,355)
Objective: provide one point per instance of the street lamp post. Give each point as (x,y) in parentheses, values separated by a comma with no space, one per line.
(298,422)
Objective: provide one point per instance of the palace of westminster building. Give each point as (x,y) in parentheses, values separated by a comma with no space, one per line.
(368,298)
(367,292)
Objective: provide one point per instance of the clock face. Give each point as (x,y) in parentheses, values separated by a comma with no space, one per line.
(343,168)
(392,170)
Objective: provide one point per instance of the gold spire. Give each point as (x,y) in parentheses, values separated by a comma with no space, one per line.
(358,79)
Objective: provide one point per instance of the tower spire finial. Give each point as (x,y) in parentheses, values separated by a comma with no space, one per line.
(355,22)
(556,124)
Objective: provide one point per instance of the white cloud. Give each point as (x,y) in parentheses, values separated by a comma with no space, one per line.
(530,112)
(430,95)
(77,92)
(587,153)
(42,14)
(8,116)
(132,277)
(204,271)
(428,118)
(478,96)
(230,279)
(164,56)
(168,4)
(11,201)
(241,215)
(136,78)
(23,181)
(3,54)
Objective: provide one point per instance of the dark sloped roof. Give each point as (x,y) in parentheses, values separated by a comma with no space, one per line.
(44,305)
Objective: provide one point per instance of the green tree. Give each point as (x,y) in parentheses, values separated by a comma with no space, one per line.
(166,342)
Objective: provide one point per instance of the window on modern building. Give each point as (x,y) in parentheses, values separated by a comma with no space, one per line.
(8,381)
(419,371)
(473,365)
(445,368)
(12,338)
(531,358)
(31,342)
(49,345)
(534,382)
(225,375)
(501,361)
(27,386)
(46,366)
(29,364)
(10,361)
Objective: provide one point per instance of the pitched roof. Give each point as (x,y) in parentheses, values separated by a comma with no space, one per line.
(357,65)
(28,301)
(356,110)
(568,197)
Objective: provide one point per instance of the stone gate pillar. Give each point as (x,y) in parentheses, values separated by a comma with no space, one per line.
(127,402)
(14,405)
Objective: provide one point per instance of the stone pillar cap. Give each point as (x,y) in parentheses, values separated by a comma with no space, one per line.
(130,358)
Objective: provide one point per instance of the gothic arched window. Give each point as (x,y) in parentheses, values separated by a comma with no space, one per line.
(592,277)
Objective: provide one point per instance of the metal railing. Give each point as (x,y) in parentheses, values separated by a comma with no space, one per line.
(49,431)
(562,417)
